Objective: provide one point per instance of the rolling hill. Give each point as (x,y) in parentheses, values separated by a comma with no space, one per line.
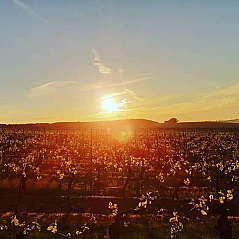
(132,123)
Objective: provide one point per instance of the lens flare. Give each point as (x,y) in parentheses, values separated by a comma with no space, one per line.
(123,135)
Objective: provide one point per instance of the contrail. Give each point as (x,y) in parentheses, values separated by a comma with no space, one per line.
(27,9)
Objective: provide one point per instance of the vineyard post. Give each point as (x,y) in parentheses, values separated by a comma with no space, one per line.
(44,152)
(91,165)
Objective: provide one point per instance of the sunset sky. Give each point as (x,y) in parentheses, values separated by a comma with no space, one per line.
(90,60)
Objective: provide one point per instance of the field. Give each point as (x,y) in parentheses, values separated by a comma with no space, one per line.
(161,183)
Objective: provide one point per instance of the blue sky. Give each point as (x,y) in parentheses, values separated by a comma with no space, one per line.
(60,60)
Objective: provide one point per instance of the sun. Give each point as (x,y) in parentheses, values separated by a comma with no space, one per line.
(109,105)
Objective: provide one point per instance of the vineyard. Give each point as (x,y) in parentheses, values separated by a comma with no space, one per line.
(152,183)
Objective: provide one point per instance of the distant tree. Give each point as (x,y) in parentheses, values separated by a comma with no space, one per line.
(172,120)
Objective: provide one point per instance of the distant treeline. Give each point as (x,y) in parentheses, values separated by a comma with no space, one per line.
(132,123)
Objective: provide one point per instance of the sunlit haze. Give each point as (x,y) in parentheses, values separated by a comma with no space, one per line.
(102,60)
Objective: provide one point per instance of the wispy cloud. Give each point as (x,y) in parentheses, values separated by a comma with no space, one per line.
(122,106)
(49,88)
(26,8)
(96,55)
(199,104)
(225,92)
(112,95)
(132,93)
(123,92)
(196,105)
(102,68)
(53,87)
(100,85)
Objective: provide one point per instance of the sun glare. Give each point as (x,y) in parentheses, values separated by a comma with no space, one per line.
(109,105)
